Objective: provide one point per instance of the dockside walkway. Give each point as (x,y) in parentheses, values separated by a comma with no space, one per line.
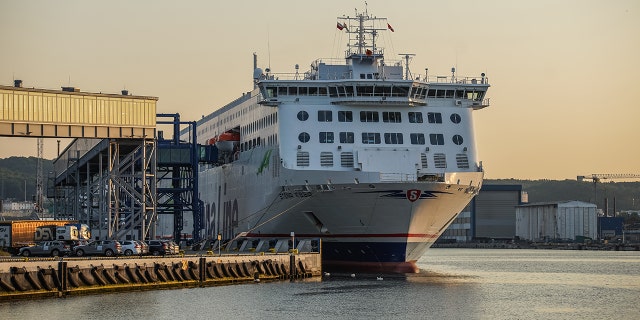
(22,278)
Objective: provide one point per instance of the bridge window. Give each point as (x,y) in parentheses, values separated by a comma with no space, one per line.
(393,138)
(437,139)
(366,91)
(401,91)
(417,138)
(475,95)
(393,117)
(415,117)
(370,138)
(434,117)
(369,116)
(325,116)
(326,137)
(346,137)
(345,116)
(272,92)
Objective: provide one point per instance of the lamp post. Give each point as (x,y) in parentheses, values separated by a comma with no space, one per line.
(219,240)
(293,241)
(292,258)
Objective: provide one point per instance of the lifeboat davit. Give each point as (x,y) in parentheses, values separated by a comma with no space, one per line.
(226,142)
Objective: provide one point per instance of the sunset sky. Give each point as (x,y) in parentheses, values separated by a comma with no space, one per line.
(564,74)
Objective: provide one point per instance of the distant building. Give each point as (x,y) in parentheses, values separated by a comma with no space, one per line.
(490,215)
(8,205)
(610,227)
(552,221)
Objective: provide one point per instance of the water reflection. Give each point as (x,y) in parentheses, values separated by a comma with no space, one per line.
(453,283)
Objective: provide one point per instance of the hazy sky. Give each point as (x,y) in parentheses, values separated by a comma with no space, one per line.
(564,74)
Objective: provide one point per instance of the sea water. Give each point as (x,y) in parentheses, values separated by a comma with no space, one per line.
(452,284)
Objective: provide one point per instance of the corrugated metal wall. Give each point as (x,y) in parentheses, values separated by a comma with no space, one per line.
(494,216)
(49,113)
(556,221)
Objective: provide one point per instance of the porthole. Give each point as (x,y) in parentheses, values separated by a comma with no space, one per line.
(455,118)
(304,137)
(303,116)
(457,139)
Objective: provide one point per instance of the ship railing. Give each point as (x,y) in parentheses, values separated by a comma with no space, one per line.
(477,105)
(397,177)
(456,79)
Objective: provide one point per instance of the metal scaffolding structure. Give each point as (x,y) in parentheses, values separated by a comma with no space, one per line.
(110,185)
(177,178)
(117,175)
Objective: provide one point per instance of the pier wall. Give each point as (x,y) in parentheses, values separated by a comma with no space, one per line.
(46,277)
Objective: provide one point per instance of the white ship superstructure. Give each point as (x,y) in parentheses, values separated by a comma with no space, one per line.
(360,153)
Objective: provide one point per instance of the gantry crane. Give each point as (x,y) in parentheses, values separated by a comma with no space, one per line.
(597,177)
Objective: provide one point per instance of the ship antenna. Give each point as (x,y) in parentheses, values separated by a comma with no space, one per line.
(407,57)
(268,48)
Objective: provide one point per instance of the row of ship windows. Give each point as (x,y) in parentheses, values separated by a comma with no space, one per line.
(435,139)
(256,142)
(254,126)
(260,124)
(347,160)
(374,116)
(376,91)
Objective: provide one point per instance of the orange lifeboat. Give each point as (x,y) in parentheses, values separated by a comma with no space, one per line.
(227,141)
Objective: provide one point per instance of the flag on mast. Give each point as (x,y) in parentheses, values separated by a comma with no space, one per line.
(390,27)
(340,26)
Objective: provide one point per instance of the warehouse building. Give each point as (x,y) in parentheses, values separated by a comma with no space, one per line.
(556,221)
(491,215)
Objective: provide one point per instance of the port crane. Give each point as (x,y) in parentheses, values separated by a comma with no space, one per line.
(598,177)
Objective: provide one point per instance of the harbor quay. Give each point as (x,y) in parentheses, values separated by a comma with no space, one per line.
(22,278)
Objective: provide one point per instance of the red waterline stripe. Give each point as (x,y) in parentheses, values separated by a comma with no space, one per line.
(345,235)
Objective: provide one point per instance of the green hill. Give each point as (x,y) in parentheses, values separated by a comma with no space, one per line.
(15,172)
(622,195)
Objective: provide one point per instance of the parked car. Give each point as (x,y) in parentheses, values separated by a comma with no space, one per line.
(145,247)
(46,248)
(161,247)
(131,247)
(108,248)
(175,248)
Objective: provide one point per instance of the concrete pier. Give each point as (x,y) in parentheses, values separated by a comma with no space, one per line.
(48,277)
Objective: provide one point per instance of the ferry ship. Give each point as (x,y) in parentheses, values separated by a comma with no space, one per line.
(359,152)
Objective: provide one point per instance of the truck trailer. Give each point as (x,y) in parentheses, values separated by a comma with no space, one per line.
(18,233)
